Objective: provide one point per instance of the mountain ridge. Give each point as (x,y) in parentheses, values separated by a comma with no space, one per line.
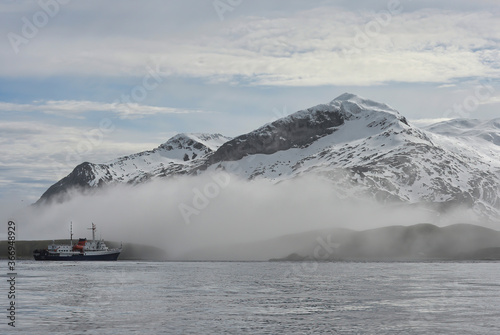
(362,147)
(417,242)
(168,158)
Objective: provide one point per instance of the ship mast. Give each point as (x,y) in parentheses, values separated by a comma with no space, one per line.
(93,231)
(71,233)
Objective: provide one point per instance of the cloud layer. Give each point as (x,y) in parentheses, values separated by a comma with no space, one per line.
(236,213)
(309,47)
(35,154)
(74,108)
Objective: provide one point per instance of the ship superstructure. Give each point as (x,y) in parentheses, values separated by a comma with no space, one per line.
(83,250)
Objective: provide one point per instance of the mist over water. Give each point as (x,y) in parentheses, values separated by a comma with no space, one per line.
(184,214)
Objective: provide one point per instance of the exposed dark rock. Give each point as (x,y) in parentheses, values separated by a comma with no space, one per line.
(297,130)
(372,151)
(82,177)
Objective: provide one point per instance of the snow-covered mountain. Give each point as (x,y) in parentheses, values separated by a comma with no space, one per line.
(363,148)
(176,156)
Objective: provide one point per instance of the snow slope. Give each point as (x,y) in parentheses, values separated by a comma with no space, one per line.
(363,148)
(176,156)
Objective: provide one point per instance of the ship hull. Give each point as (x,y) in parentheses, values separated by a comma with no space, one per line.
(101,257)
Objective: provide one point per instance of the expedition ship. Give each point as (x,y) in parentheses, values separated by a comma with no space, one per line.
(95,250)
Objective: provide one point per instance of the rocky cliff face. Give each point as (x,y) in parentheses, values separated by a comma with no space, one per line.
(82,177)
(363,148)
(296,131)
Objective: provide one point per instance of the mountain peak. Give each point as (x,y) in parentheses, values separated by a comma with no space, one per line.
(200,141)
(354,105)
(350,99)
(348,96)
(364,148)
(300,129)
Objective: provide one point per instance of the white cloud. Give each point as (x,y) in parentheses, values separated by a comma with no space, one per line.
(427,122)
(490,101)
(241,212)
(72,108)
(37,154)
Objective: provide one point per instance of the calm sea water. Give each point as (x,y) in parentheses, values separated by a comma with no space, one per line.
(254,298)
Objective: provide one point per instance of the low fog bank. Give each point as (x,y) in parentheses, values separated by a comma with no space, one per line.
(421,242)
(218,216)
